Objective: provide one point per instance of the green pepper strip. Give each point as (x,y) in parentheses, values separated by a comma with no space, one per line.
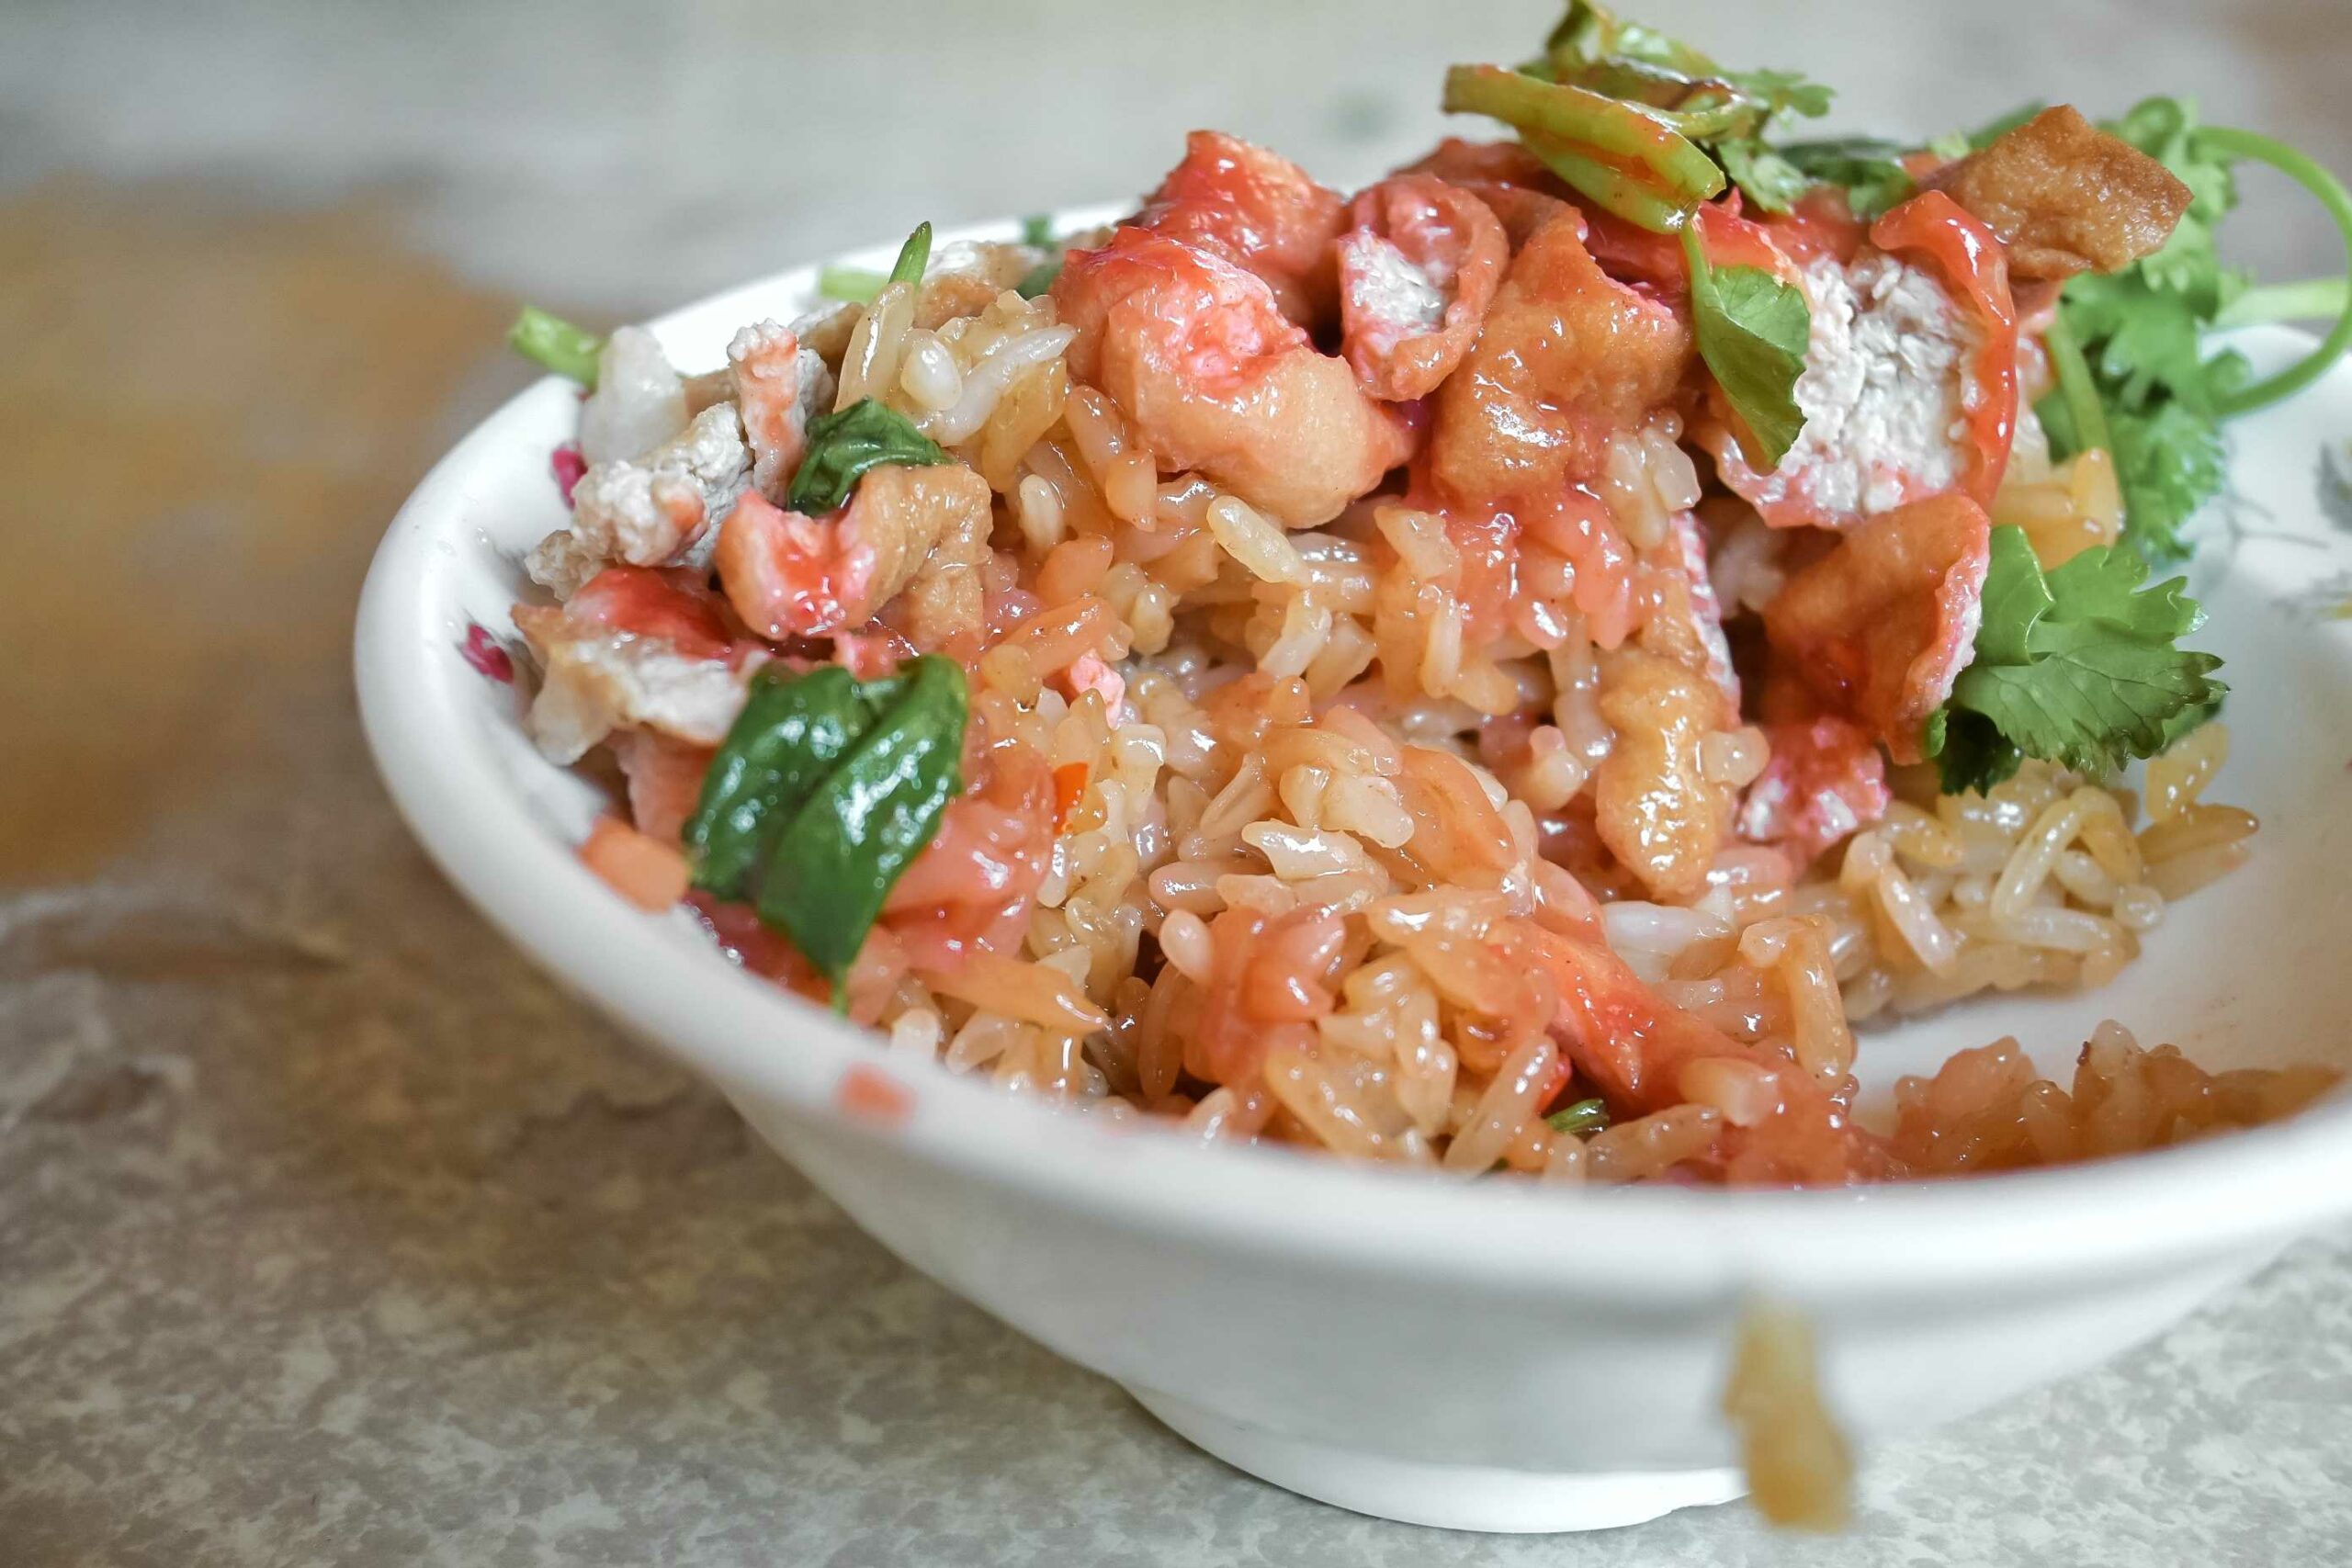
(1701,109)
(1582,119)
(2307,173)
(1588,33)
(1610,188)
(831,868)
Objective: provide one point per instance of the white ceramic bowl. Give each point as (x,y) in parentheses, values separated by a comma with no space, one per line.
(1492,1356)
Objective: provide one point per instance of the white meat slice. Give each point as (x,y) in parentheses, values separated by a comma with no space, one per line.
(639,403)
(654,511)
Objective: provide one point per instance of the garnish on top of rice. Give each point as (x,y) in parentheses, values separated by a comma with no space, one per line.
(1500,671)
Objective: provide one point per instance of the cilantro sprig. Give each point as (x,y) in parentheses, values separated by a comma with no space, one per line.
(2127,353)
(2078,666)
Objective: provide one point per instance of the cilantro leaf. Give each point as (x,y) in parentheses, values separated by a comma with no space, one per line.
(1869,171)
(2142,337)
(2077,666)
(2015,600)
(2143,385)
(2103,586)
(2168,463)
(1783,92)
(1753,330)
(1770,182)
(2090,700)
(2164,129)
(1971,750)
(1985,135)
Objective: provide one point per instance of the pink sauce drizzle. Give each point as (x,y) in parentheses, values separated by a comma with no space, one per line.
(569,466)
(481,651)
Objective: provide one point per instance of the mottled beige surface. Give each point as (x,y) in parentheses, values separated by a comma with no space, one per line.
(328,1230)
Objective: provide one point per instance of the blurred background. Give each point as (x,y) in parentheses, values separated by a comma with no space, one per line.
(290,1144)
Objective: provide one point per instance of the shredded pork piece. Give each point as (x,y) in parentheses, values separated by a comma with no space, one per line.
(654,511)
(780,385)
(633,647)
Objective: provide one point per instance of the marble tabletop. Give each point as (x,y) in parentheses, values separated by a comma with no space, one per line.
(329,1231)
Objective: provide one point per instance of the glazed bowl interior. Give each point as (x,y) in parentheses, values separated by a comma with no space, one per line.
(2246,973)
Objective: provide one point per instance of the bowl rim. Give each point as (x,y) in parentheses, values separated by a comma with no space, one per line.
(2144,1210)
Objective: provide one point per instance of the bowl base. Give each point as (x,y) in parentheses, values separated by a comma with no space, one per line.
(1448,1497)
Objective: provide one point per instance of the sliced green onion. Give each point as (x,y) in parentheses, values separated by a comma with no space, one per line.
(913,256)
(853,285)
(1038,278)
(1582,1120)
(556,344)
(2307,172)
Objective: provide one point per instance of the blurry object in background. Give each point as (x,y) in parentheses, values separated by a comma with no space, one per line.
(206,411)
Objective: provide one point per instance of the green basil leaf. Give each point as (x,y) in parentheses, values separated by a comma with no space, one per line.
(792,730)
(829,869)
(1037,230)
(843,445)
(1753,330)
(557,344)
